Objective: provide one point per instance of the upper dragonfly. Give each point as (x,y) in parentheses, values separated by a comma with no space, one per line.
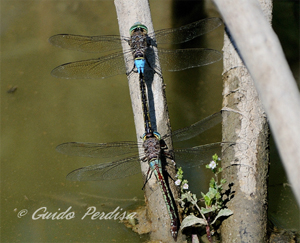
(141,48)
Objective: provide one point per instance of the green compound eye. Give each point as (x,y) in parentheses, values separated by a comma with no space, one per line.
(157,135)
(138,25)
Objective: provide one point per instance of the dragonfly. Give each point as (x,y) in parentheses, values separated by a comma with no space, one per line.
(153,146)
(126,160)
(141,45)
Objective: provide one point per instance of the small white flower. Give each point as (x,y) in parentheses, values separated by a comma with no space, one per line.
(185,186)
(219,158)
(177,182)
(212,164)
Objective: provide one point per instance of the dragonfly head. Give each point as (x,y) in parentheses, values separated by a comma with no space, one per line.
(138,26)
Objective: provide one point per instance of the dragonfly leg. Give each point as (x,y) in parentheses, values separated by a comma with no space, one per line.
(169,175)
(131,71)
(147,178)
(163,145)
(168,154)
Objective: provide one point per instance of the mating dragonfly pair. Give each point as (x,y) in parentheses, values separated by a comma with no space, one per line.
(141,50)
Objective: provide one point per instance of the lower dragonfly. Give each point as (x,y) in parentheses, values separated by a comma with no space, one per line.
(141,51)
(153,146)
(127,161)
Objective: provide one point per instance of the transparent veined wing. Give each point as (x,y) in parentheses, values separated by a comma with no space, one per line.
(187,32)
(181,59)
(107,171)
(95,44)
(99,150)
(102,67)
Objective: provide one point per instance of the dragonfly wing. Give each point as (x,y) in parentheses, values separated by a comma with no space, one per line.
(196,128)
(87,43)
(105,66)
(181,59)
(107,171)
(197,156)
(186,32)
(99,150)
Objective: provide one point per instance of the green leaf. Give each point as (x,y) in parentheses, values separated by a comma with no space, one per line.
(195,197)
(212,183)
(219,186)
(222,213)
(183,196)
(184,182)
(207,210)
(215,157)
(179,171)
(192,220)
(189,197)
(207,200)
(212,192)
(223,181)
(182,203)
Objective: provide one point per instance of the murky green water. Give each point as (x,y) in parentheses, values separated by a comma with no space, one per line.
(44,112)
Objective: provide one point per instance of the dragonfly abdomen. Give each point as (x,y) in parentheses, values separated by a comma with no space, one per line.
(156,167)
